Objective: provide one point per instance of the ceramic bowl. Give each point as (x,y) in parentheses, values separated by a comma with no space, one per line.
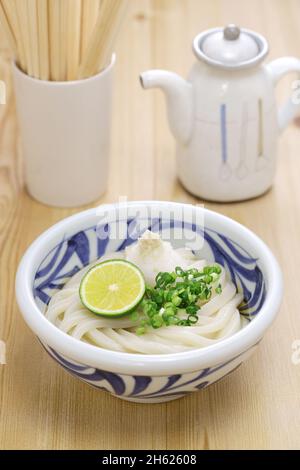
(69,245)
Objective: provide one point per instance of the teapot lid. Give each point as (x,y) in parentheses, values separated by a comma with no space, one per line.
(230,47)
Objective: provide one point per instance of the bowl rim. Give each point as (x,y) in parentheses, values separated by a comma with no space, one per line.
(152,364)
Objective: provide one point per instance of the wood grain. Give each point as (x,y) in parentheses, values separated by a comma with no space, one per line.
(258,406)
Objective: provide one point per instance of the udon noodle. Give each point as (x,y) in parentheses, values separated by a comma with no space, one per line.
(218,317)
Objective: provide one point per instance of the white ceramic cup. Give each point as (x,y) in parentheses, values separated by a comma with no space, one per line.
(65,130)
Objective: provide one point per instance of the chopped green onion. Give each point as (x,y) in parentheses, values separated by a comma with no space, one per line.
(179,271)
(219,289)
(192,319)
(179,289)
(134,316)
(141,330)
(192,309)
(157,321)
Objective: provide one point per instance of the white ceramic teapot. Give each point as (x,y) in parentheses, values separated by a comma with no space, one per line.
(224,117)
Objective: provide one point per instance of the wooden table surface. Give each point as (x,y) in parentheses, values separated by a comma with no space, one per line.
(258,406)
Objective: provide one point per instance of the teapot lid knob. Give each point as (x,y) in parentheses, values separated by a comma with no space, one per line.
(231,32)
(230,47)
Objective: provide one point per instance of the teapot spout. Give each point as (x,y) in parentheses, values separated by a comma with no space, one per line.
(179,100)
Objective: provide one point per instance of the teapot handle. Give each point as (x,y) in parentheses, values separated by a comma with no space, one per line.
(279,68)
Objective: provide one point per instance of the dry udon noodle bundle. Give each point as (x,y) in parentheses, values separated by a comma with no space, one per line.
(62,40)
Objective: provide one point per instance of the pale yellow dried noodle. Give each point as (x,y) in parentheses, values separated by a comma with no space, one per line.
(61,39)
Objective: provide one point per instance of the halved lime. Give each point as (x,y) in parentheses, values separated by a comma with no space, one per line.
(112,288)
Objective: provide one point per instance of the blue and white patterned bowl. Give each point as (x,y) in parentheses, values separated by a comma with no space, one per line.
(78,240)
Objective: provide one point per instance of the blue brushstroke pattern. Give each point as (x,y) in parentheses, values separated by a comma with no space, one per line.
(223,132)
